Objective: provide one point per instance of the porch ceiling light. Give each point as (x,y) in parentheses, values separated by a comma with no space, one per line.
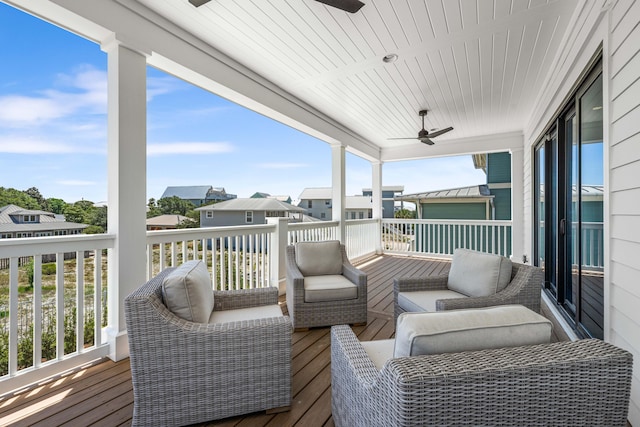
(389,58)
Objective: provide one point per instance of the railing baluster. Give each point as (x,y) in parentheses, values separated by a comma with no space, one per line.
(59,305)
(79,301)
(37,310)
(13,316)
(97,297)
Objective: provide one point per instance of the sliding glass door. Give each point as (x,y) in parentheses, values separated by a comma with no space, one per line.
(568,164)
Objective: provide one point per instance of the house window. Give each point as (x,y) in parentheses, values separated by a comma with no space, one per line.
(309,204)
(361,215)
(248,217)
(353,215)
(322,215)
(209,214)
(327,202)
(5,236)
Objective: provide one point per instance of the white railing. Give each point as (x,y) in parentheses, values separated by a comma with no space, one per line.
(62,343)
(238,256)
(362,237)
(312,231)
(441,237)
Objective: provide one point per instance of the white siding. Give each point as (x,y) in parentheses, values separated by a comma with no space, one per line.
(618,29)
(624,135)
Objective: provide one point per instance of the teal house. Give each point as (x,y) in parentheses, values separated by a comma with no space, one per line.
(491,200)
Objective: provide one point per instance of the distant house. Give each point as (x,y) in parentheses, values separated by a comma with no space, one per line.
(165,222)
(389,193)
(478,202)
(317,201)
(260,195)
(199,194)
(18,222)
(245,211)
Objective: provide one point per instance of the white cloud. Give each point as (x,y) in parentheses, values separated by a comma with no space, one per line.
(38,145)
(158,149)
(283,165)
(83,92)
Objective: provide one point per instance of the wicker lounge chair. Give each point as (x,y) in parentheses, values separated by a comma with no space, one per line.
(580,383)
(332,292)
(185,372)
(434,293)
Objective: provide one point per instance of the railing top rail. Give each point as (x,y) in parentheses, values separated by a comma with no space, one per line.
(317,224)
(360,221)
(28,246)
(447,221)
(160,236)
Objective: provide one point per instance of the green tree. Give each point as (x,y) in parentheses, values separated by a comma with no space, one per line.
(56,206)
(34,193)
(74,213)
(405,214)
(153,209)
(175,205)
(11,196)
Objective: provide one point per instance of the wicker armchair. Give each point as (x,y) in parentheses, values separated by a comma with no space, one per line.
(524,288)
(325,311)
(578,383)
(186,373)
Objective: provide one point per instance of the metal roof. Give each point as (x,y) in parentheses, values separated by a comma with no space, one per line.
(474,191)
(166,220)
(248,204)
(199,192)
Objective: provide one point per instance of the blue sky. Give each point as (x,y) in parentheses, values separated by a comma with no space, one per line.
(53,130)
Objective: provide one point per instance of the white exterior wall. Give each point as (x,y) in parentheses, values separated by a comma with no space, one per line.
(615,25)
(624,186)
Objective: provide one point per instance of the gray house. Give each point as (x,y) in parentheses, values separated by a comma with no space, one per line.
(317,202)
(198,194)
(18,222)
(247,211)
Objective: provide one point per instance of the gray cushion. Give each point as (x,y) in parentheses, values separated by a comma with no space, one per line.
(478,274)
(471,329)
(328,288)
(318,258)
(188,293)
(249,313)
(425,300)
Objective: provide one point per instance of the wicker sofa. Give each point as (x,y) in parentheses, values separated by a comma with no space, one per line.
(580,383)
(186,372)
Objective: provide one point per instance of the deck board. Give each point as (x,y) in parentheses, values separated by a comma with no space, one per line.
(101,394)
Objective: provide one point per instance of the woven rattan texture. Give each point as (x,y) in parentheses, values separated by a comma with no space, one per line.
(524,289)
(580,383)
(185,373)
(312,314)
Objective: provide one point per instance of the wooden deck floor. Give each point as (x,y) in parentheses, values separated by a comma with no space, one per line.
(101,394)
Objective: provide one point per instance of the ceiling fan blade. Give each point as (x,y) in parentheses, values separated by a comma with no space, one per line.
(439,132)
(198,3)
(351,6)
(426,141)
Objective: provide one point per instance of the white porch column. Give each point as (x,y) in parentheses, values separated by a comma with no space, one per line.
(277,267)
(338,189)
(127,184)
(376,187)
(517,204)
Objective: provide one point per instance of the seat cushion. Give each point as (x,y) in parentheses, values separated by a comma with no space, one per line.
(471,329)
(478,274)
(249,313)
(425,300)
(328,288)
(319,258)
(379,351)
(188,293)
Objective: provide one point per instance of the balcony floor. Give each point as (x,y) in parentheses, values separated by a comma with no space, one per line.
(101,394)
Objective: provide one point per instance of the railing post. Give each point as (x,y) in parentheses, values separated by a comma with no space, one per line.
(277,253)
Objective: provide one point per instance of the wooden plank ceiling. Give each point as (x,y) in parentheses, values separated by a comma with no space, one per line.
(476,65)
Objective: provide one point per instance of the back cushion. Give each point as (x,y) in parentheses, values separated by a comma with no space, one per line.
(478,274)
(188,293)
(471,329)
(319,258)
